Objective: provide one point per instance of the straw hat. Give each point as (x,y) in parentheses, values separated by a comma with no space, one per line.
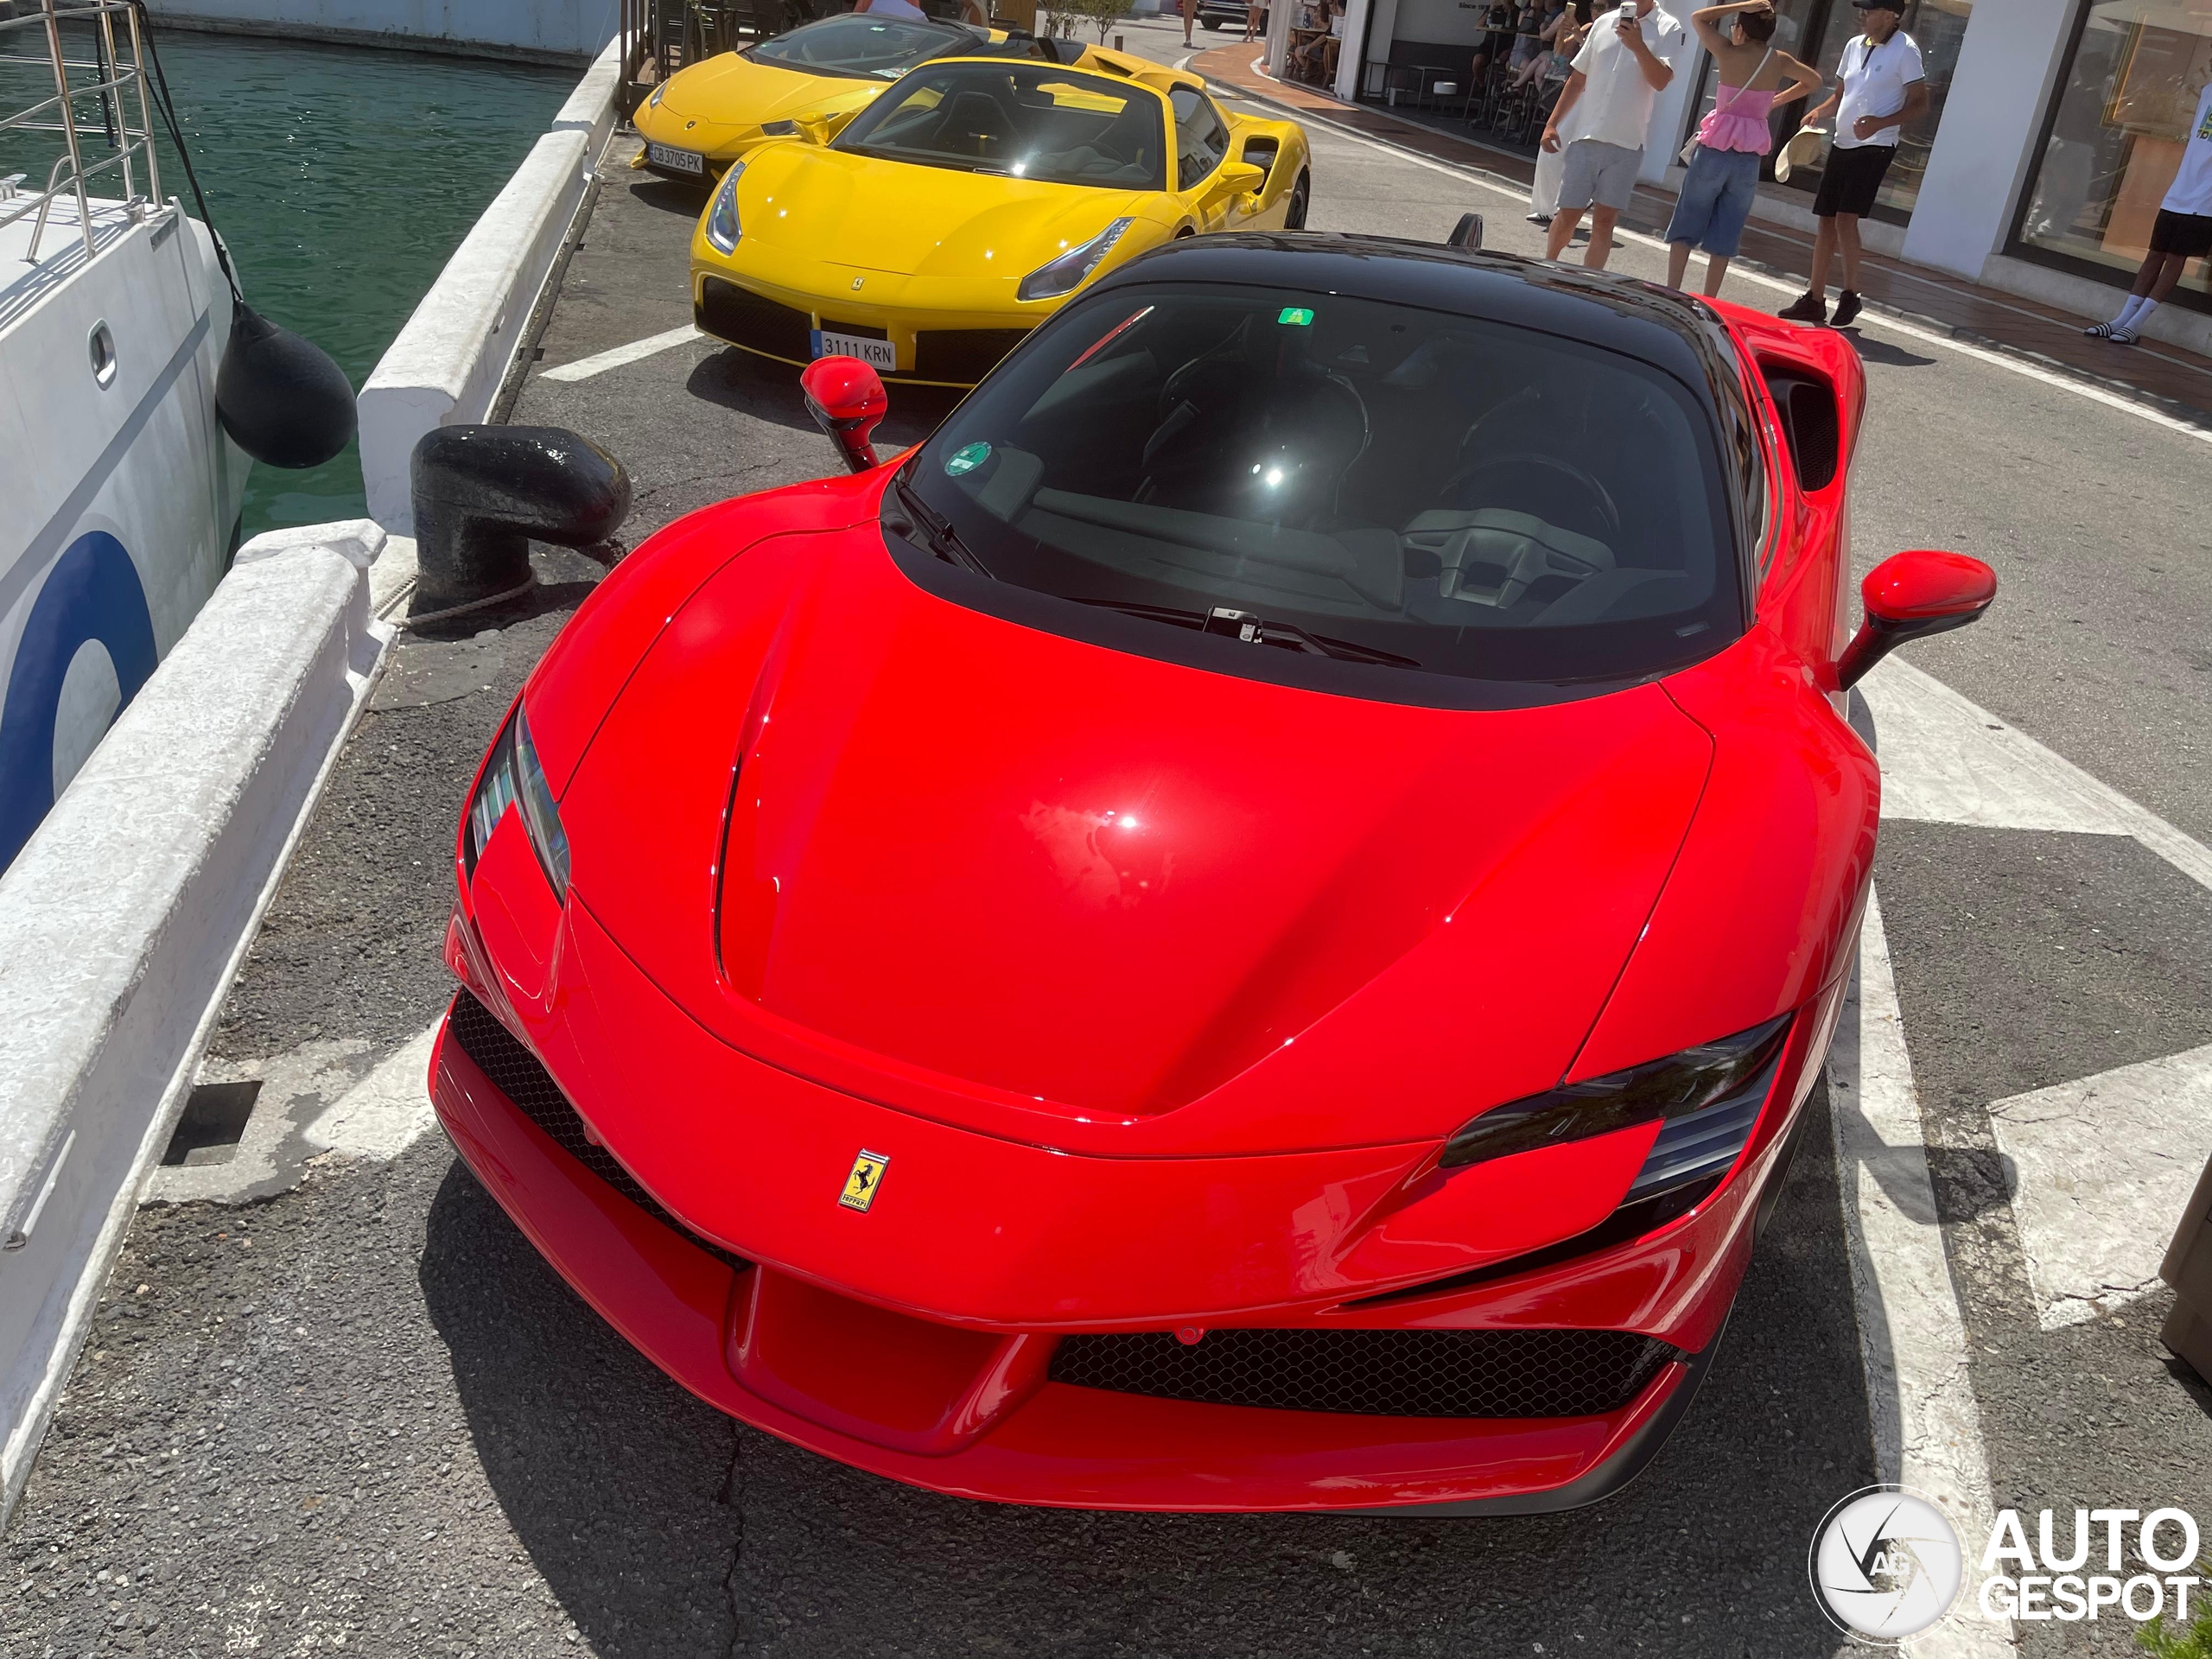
(1804,149)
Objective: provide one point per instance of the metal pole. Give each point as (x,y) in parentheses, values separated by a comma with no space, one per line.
(118,125)
(69,133)
(145,114)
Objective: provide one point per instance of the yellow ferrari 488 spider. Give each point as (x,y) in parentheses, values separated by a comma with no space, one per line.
(964,206)
(702,117)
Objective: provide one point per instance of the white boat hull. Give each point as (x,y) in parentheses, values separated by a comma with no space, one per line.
(119,493)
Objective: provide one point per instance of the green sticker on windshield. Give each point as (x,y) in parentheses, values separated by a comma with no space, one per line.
(1295,316)
(966,459)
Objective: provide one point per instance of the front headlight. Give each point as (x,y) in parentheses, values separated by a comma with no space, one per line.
(1066,273)
(655,100)
(1709,1097)
(721,225)
(513,777)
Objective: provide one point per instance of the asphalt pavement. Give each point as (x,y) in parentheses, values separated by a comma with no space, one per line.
(358,1411)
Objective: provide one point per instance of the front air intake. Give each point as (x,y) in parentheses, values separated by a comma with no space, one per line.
(1377,1373)
(518,1074)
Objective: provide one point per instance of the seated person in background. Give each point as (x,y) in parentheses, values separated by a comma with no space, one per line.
(1494,46)
(1539,64)
(1307,61)
(1527,29)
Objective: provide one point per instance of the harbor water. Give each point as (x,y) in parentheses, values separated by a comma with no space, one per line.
(341,178)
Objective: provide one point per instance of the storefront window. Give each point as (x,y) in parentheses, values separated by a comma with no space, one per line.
(1940,27)
(2116,137)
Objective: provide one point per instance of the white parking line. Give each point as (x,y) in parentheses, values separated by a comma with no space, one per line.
(1946,760)
(2102,1167)
(584,367)
(1912,1339)
(1867,319)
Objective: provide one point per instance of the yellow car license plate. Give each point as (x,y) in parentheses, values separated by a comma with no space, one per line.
(676,160)
(879,354)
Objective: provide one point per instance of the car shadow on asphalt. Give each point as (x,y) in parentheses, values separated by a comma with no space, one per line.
(1881,351)
(582,1439)
(686,201)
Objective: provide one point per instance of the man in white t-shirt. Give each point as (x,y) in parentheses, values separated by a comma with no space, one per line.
(2182,232)
(1626,60)
(1884,84)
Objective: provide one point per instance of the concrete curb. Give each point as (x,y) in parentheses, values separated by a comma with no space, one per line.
(590,108)
(124,917)
(448,363)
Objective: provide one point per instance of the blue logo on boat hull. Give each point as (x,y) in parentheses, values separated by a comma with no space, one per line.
(92,593)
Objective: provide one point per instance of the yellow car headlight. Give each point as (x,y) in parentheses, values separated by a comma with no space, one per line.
(721,226)
(1065,273)
(655,100)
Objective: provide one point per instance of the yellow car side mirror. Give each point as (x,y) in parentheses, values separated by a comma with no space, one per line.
(1238,178)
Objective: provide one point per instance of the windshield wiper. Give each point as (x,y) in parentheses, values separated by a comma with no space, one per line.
(1255,630)
(938,530)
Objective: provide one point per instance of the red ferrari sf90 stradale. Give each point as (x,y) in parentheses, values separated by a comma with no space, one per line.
(1245,928)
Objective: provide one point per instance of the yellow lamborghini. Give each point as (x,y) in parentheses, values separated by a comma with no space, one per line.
(964,206)
(702,118)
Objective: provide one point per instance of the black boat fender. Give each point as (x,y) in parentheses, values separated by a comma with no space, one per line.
(281,397)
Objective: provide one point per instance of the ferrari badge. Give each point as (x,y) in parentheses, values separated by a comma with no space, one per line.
(861,1184)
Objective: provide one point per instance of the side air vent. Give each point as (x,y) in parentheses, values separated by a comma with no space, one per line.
(1806,405)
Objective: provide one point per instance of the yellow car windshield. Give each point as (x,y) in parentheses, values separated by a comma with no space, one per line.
(863,48)
(1024,120)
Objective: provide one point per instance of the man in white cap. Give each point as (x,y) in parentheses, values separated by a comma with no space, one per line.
(1884,85)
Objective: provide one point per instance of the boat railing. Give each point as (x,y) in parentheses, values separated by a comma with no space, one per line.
(104,77)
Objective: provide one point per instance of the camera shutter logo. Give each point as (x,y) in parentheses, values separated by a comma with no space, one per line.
(1886,1565)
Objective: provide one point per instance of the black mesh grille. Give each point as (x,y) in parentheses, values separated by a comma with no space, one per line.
(744,318)
(1378,1373)
(516,1073)
(964,355)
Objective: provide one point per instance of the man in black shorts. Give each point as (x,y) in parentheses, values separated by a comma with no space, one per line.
(2182,232)
(1884,84)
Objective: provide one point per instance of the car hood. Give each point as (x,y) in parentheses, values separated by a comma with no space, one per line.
(857,212)
(739,90)
(1035,884)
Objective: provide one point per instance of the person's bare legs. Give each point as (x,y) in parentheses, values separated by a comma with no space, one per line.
(1846,239)
(1602,221)
(1563,221)
(2163,283)
(1716,267)
(1823,254)
(1678,263)
(1189,13)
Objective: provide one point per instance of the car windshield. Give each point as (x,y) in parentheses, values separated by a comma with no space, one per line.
(1028,120)
(1347,479)
(858,44)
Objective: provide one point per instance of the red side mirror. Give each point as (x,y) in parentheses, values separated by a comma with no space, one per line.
(846,398)
(1910,597)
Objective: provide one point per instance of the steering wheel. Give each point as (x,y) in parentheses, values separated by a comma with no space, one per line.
(1527,471)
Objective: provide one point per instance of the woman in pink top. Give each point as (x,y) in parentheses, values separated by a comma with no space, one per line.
(1724,175)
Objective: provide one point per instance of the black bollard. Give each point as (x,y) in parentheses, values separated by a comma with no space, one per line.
(282,398)
(482,493)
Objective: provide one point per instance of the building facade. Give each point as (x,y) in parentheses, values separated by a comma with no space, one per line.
(2053,128)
